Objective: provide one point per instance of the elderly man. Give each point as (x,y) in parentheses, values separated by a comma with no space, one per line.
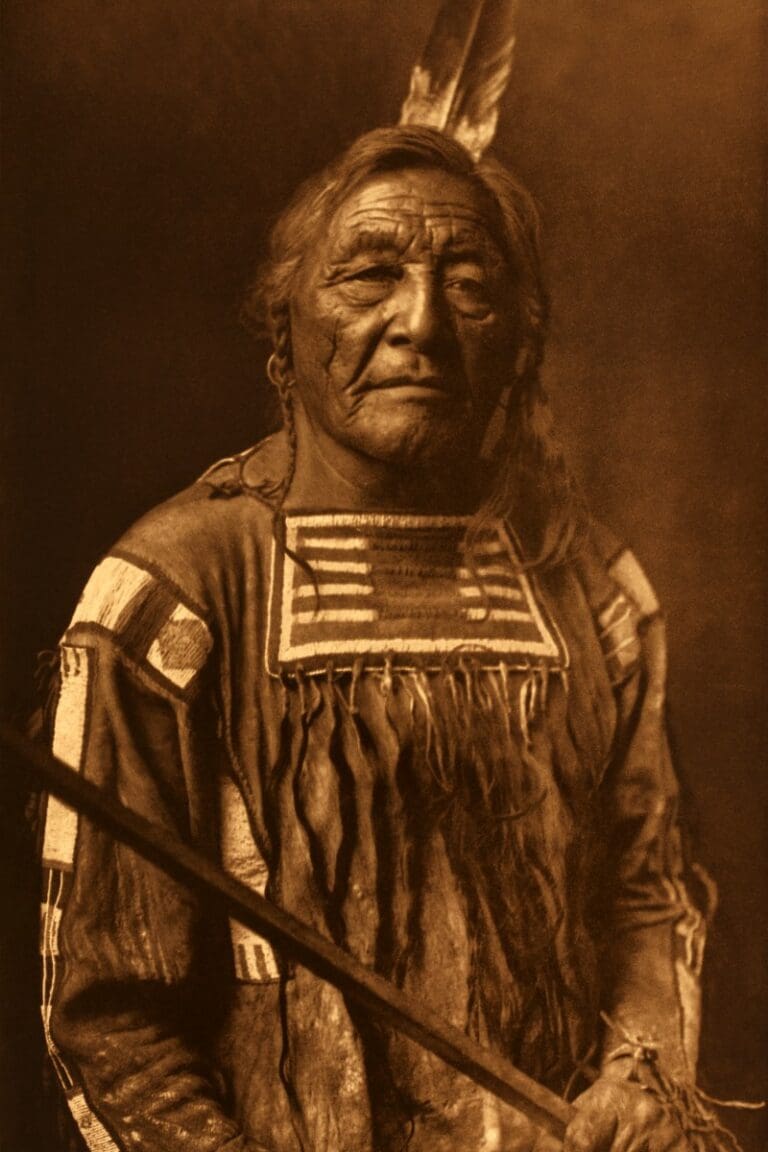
(383,667)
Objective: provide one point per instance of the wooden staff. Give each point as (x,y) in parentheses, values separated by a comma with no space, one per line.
(390,1005)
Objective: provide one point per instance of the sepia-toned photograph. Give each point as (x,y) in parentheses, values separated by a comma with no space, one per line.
(384,714)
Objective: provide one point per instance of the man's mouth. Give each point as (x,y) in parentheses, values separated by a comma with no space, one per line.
(415,387)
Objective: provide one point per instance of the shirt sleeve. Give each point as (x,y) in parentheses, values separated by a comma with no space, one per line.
(127,950)
(656,929)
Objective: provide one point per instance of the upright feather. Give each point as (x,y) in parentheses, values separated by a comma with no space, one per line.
(459,81)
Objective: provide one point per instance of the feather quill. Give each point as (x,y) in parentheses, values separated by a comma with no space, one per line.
(463,72)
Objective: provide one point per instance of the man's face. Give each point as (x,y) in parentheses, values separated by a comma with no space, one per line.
(402,323)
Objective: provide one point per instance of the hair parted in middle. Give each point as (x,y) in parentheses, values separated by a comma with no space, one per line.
(532,485)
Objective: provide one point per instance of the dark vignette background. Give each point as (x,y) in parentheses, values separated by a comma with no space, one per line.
(147,148)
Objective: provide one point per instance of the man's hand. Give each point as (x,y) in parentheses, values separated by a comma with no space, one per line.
(621,1116)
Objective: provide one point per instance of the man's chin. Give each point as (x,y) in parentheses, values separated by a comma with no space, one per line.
(419,443)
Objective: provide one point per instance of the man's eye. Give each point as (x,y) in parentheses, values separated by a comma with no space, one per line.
(370,284)
(375,274)
(469,295)
(466,284)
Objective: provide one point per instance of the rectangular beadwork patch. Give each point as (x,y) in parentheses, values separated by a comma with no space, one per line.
(148,618)
(254,960)
(401,589)
(69,734)
(619,638)
(92,1130)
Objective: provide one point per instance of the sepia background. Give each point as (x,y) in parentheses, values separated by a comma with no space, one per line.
(147,148)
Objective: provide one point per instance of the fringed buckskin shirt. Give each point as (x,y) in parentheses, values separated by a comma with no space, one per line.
(452,766)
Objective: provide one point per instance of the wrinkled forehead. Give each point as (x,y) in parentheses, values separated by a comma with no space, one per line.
(415,209)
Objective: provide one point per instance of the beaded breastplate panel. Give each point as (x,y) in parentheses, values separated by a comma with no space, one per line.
(402,591)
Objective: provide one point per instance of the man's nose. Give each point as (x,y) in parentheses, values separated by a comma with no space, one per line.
(419,317)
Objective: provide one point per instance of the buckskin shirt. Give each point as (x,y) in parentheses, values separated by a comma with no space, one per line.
(453,766)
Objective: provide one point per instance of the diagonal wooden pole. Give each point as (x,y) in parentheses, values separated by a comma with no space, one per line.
(372,992)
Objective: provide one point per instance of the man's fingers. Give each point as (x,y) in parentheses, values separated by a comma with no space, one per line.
(617,1116)
(591,1131)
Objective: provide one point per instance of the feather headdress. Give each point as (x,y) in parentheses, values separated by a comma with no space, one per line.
(460,79)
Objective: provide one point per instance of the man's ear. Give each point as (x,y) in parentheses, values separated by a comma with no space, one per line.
(280,363)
